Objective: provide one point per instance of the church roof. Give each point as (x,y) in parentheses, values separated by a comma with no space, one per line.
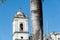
(20,14)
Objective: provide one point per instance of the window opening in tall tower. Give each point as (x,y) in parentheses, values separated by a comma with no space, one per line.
(21,27)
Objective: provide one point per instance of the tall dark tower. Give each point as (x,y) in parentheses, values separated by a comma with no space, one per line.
(36,19)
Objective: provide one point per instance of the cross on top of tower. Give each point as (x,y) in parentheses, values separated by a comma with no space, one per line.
(20,9)
(20,14)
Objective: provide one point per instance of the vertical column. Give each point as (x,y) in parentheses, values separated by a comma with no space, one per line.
(36,19)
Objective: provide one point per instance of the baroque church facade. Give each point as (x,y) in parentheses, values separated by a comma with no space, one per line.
(20,27)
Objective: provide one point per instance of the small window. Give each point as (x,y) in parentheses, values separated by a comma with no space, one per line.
(21,37)
(47,39)
(21,27)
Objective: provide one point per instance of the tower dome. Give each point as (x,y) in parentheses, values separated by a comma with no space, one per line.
(20,14)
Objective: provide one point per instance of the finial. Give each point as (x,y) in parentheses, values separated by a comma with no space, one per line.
(19,9)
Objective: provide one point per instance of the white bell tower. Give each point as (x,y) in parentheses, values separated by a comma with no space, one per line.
(20,27)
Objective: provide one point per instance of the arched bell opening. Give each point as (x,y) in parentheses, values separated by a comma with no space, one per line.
(21,27)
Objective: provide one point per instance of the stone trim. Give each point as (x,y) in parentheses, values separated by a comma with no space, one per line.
(19,32)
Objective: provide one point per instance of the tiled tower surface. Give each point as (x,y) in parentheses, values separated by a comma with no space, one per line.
(36,19)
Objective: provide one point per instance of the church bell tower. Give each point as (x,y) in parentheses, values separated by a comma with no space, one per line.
(20,26)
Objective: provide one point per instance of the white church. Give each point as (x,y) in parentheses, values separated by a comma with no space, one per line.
(20,27)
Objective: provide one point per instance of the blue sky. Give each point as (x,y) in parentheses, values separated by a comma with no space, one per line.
(51,14)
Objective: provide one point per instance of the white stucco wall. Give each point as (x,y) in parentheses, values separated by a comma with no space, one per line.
(19,35)
(16,28)
(57,36)
(25,24)
(16,25)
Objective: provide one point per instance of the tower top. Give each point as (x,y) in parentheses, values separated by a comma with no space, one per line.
(20,14)
(19,9)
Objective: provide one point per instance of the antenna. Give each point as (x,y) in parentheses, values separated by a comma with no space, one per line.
(47,26)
